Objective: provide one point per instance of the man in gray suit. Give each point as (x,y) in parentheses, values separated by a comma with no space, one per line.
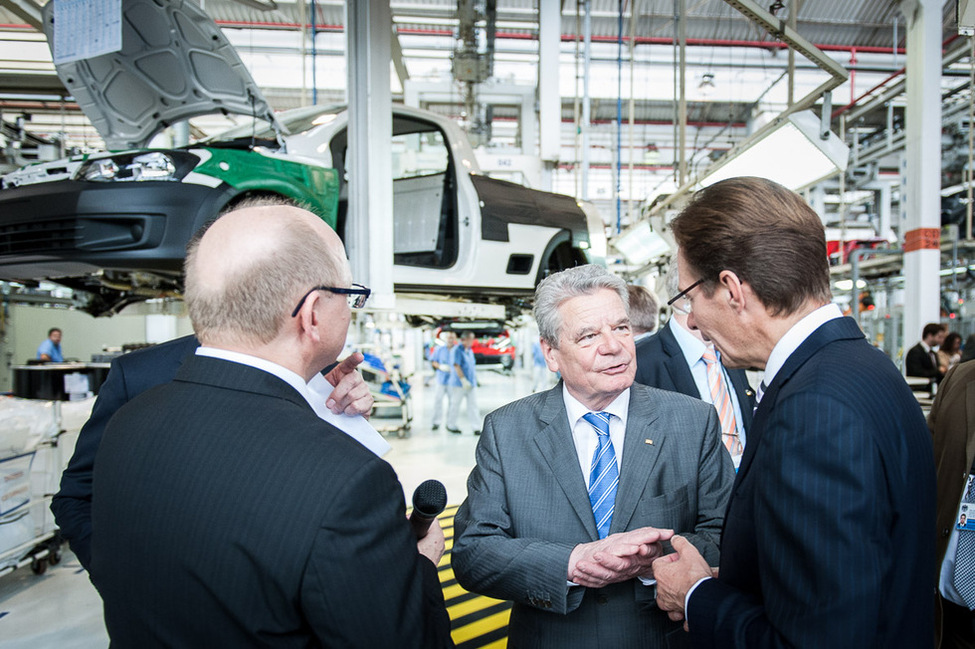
(577,489)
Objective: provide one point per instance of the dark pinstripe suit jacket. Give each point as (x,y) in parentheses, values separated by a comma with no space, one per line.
(827,539)
(130,375)
(226,514)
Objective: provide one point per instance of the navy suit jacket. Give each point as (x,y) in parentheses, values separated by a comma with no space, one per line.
(227,514)
(660,363)
(827,539)
(130,375)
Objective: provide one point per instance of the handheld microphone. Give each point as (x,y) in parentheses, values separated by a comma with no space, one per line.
(429,500)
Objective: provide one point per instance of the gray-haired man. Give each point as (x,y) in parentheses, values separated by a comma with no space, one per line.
(576,488)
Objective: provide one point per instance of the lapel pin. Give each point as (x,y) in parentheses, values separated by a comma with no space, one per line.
(648,441)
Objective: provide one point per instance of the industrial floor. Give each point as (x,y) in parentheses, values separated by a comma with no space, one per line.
(61,609)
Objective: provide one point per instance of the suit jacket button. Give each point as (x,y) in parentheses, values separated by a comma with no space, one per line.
(602,599)
(945,532)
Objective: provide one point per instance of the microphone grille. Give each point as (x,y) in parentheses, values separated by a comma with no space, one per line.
(430,498)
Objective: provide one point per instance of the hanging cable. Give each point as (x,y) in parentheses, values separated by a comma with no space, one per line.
(619,114)
(971,142)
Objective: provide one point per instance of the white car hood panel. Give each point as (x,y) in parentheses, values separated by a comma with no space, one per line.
(175,64)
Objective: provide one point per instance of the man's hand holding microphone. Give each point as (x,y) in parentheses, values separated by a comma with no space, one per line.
(429,500)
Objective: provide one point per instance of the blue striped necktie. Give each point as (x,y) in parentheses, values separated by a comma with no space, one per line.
(604,476)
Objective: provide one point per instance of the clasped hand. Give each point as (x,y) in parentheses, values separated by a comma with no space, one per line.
(618,557)
(676,574)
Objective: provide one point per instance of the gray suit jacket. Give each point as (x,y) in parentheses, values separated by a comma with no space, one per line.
(527,507)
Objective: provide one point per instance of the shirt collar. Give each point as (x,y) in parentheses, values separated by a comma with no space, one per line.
(575,410)
(690,345)
(315,392)
(283,373)
(795,336)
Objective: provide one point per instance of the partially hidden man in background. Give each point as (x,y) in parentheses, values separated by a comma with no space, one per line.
(577,488)
(50,348)
(225,512)
(678,358)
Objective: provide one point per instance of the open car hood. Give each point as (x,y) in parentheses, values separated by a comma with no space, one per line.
(175,64)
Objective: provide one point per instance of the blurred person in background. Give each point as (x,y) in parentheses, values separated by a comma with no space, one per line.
(949,353)
(644,311)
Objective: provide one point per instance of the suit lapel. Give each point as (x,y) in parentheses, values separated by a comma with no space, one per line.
(676,364)
(639,455)
(745,394)
(833,330)
(554,442)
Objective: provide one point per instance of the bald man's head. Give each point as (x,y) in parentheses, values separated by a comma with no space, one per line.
(246,273)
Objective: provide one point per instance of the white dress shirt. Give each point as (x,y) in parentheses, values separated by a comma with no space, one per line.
(584,436)
(315,392)
(693,349)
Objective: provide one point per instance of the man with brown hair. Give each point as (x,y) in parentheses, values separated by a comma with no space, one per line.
(921,359)
(826,542)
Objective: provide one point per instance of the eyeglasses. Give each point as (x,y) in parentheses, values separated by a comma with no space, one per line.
(685,305)
(357,296)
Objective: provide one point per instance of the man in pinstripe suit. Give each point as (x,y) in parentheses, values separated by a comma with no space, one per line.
(827,538)
(225,512)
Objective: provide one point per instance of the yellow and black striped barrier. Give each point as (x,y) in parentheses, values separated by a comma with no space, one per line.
(475,621)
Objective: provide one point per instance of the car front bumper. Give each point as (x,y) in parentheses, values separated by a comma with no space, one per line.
(69,228)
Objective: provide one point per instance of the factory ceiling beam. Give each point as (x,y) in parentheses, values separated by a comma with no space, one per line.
(26,10)
(397,55)
(777,28)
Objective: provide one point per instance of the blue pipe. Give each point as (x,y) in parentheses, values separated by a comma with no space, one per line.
(619,117)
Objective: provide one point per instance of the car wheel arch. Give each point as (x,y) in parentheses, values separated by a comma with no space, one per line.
(558,255)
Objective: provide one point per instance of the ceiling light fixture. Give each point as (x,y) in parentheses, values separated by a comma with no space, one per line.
(641,245)
(793,154)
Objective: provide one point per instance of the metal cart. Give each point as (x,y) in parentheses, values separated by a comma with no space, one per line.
(391,392)
(30,469)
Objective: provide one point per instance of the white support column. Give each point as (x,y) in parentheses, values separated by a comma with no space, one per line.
(921,181)
(549,97)
(586,99)
(369,223)
(883,209)
(529,127)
